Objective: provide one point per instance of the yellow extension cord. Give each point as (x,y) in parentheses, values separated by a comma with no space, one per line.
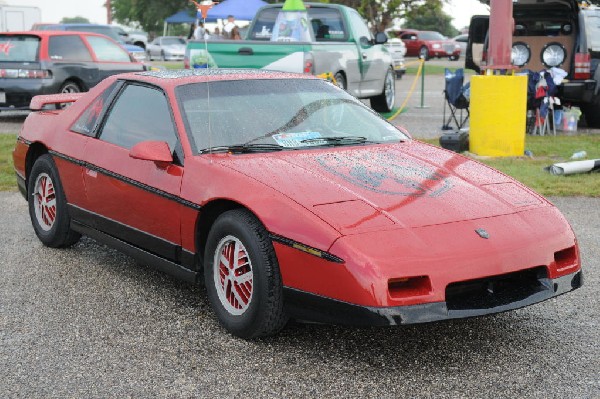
(329,77)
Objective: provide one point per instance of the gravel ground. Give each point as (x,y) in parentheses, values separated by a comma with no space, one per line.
(90,322)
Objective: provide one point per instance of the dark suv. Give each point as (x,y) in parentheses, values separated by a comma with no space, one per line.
(46,62)
(551,33)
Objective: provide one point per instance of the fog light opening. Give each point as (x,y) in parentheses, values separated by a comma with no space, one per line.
(409,286)
(565,259)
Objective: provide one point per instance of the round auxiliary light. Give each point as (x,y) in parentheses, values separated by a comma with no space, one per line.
(553,54)
(520,54)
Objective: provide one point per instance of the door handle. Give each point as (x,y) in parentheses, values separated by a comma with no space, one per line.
(245,51)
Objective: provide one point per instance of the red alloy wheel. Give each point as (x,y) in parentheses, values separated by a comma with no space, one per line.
(44,201)
(233,275)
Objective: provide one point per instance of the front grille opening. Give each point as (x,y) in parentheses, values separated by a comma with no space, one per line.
(491,292)
(409,286)
(566,258)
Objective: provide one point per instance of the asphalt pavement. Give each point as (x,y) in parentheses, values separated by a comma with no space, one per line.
(89,322)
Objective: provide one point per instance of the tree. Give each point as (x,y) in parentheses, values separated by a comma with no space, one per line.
(75,20)
(430,16)
(150,14)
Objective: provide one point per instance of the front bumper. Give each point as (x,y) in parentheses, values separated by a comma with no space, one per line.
(310,307)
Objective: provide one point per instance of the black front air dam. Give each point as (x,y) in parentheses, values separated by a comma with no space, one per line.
(305,306)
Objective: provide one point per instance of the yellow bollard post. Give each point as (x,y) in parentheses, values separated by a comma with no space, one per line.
(498,107)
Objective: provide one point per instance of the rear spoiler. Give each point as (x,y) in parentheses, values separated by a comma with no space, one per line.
(38,102)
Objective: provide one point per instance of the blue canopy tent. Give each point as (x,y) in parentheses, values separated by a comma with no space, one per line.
(180,17)
(243,10)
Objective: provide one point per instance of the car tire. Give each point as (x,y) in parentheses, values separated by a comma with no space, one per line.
(454,57)
(70,87)
(424,53)
(48,205)
(592,112)
(340,81)
(247,299)
(385,101)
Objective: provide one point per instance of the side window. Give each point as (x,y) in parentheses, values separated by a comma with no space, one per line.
(140,113)
(68,48)
(407,36)
(107,50)
(87,122)
(359,26)
(263,26)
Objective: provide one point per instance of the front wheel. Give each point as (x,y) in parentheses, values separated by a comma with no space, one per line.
(340,80)
(385,101)
(242,276)
(424,53)
(48,206)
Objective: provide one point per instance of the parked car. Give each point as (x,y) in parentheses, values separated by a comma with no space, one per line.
(166,48)
(397,49)
(462,42)
(551,34)
(44,62)
(139,38)
(428,44)
(288,197)
(114,32)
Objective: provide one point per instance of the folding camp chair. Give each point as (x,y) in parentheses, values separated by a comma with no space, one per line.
(455,100)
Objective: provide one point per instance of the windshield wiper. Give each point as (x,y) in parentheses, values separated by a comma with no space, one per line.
(242,148)
(337,140)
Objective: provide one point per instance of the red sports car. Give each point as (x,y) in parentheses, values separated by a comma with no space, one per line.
(288,198)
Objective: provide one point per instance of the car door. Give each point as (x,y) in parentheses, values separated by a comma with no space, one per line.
(72,59)
(411,42)
(110,57)
(136,200)
(371,59)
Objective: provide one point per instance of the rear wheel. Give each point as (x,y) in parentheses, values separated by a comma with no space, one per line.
(242,276)
(424,53)
(48,206)
(70,87)
(385,101)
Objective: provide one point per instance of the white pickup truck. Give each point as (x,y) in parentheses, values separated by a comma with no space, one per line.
(337,41)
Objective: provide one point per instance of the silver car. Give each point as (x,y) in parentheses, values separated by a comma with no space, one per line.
(166,48)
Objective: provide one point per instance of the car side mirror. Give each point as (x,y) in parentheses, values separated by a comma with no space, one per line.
(364,41)
(155,151)
(380,38)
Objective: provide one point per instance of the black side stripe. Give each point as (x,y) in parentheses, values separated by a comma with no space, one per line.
(275,237)
(305,248)
(128,180)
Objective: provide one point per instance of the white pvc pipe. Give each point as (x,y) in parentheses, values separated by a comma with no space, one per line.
(570,168)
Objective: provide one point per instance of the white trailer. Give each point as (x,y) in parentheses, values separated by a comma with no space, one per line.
(18,18)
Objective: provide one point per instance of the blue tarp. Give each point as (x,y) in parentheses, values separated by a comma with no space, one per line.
(243,10)
(181,17)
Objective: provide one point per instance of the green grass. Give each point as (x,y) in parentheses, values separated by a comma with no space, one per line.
(546,151)
(168,64)
(8,181)
(430,69)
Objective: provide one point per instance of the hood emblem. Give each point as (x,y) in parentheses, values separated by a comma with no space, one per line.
(482,233)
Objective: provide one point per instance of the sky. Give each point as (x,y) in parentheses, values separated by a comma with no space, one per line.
(55,10)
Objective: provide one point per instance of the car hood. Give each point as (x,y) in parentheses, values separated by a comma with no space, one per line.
(410,184)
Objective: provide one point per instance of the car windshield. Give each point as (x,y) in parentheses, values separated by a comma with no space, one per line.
(592,29)
(19,48)
(431,36)
(283,114)
(168,41)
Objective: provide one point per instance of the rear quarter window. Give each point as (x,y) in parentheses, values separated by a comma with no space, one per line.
(19,48)
(592,29)
(68,48)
